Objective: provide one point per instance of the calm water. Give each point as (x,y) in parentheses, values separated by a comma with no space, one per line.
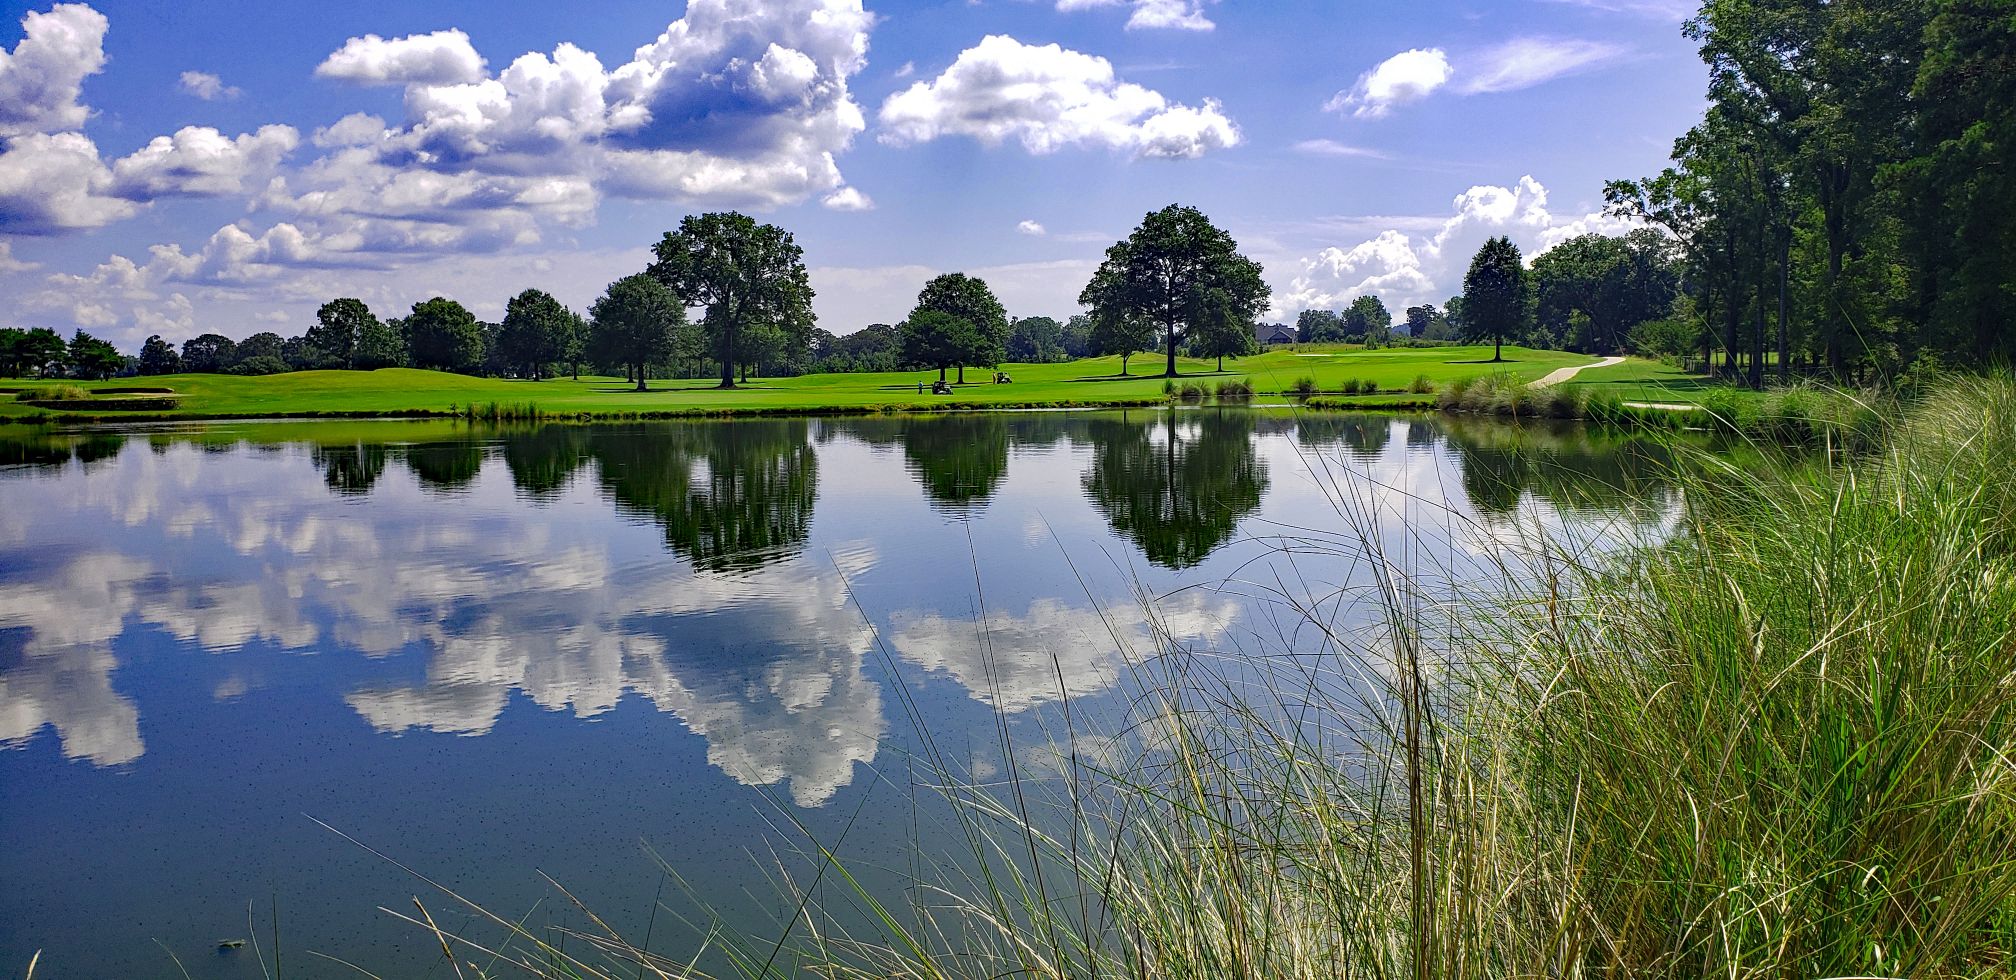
(491,653)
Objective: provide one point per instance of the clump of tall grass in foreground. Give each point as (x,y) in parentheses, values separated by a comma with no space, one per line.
(1303,386)
(1191,391)
(1780,744)
(54,393)
(1236,389)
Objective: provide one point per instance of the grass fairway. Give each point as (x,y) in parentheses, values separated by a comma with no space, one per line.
(1094,381)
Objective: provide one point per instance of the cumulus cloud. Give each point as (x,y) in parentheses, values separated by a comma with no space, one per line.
(1048,97)
(42,78)
(1529,61)
(55,182)
(1182,15)
(208,87)
(848,199)
(1028,227)
(199,161)
(1405,268)
(440,58)
(1406,77)
(8,263)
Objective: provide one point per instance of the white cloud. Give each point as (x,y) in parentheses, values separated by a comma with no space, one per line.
(1048,97)
(1528,61)
(440,58)
(1183,15)
(1404,269)
(1406,77)
(54,182)
(8,263)
(42,78)
(848,199)
(1332,148)
(1028,227)
(208,87)
(201,162)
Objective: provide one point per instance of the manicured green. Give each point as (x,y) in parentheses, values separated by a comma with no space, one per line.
(1094,381)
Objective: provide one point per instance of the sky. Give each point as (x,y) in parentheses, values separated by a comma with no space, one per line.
(229,165)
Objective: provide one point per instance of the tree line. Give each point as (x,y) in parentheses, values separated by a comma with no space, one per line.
(1844,205)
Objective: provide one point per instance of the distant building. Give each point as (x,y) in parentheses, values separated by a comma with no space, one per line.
(1270,334)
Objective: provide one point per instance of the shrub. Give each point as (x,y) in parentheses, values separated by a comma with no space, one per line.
(1191,391)
(1421,385)
(1235,390)
(1304,387)
(261,364)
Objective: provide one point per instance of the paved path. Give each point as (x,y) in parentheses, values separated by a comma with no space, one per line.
(1563,374)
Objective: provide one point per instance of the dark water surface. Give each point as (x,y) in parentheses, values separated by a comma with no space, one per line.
(496,652)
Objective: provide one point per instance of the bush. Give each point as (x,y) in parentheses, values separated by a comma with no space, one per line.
(1421,385)
(1191,391)
(1235,390)
(261,364)
(1304,387)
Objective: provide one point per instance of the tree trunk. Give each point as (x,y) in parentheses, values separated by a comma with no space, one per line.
(640,378)
(728,355)
(962,374)
(941,374)
(1497,348)
(1123,363)
(1169,333)
(1221,364)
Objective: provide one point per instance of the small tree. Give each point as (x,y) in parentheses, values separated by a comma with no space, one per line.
(537,331)
(968,299)
(1117,333)
(443,335)
(208,353)
(635,323)
(1367,321)
(381,344)
(1494,295)
(1174,272)
(936,338)
(90,357)
(1225,334)
(157,356)
(338,325)
(1035,340)
(743,273)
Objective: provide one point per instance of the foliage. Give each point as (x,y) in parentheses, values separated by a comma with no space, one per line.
(972,331)
(747,275)
(536,331)
(1035,340)
(1177,271)
(208,353)
(1592,290)
(339,324)
(259,364)
(1115,332)
(1494,295)
(442,334)
(1666,337)
(635,323)
(158,357)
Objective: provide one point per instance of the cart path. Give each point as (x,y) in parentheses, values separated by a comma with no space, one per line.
(1563,374)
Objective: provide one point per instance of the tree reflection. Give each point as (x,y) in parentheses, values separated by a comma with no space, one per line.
(731,496)
(448,467)
(350,469)
(1175,487)
(543,460)
(960,460)
(1365,436)
(1572,467)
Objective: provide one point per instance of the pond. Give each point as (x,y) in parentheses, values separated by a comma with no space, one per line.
(490,653)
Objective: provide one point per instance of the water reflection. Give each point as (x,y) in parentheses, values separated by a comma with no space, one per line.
(1177,487)
(443,549)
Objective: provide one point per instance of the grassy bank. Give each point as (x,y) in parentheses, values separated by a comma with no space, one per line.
(1094,381)
(1778,744)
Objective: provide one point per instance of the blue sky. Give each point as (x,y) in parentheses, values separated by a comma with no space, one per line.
(228,166)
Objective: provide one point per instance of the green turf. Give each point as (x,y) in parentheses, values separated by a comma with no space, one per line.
(1642,380)
(1093,381)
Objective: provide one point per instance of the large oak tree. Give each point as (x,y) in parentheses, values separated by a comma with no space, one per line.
(1176,271)
(747,275)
